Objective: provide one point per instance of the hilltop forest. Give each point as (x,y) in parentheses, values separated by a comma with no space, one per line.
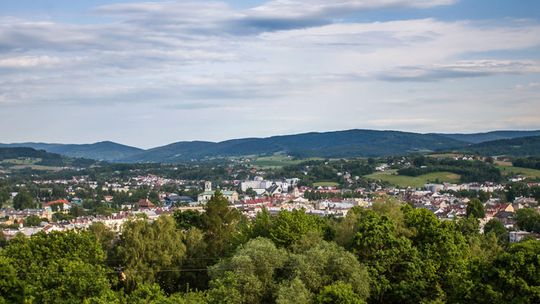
(391,253)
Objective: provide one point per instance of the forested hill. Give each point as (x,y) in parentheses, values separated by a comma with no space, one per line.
(105,150)
(13,156)
(349,143)
(329,144)
(525,146)
(475,138)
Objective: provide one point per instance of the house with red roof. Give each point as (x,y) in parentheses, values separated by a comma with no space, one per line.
(60,205)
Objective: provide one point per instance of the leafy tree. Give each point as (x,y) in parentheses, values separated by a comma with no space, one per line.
(289,226)
(32,221)
(512,277)
(11,287)
(103,235)
(24,200)
(250,271)
(76,211)
(475,209)
(60,217)
(401,274)
(188,219)
(494,226)
(261,224)
(339,293)
(444,249)
(251,192)
(528,219)
(4,197)
(325,263)
(151,252)
(196,259)
(221,225)
(59,267)
(293,292)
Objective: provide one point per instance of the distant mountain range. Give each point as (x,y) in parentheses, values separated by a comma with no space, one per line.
(350,143)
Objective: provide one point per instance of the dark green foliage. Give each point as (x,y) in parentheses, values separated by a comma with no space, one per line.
(512,277)
(188,219)
(528,219)
(495,227)
(475,209)
(530,162)
(4,197)
(523,146)
(24,200)
(32,221)
(221,225)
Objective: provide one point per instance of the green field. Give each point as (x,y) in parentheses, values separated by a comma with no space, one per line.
(25,161)
(443,155)
(277,161)
(413,181)
(19,164)
(325,184)
(511,170)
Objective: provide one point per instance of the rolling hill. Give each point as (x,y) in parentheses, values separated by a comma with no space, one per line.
(105,150)
(24,156)
(523,146)
(349,143)
(328,144)
(476,138)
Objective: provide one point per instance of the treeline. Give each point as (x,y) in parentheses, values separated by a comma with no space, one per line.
(530,162)
(391,253)
(470,171)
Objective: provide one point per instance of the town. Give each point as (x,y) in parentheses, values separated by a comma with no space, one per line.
(77,202)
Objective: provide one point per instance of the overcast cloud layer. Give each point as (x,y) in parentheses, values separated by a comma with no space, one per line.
(151,73)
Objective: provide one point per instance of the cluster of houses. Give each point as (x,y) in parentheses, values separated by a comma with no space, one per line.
(272,195)
(447,206)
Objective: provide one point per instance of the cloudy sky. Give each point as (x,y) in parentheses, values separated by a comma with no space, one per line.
(151,73)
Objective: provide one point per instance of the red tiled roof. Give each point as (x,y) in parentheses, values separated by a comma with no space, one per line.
(60,201)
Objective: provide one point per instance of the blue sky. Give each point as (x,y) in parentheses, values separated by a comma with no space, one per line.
(148,73)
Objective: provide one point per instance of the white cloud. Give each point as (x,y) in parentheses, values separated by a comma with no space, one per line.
(310,70)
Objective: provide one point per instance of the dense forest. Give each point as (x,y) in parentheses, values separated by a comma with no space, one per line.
(530,162)
(390,253)
(518,147)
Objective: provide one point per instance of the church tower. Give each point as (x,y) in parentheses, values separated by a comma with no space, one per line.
(207,186)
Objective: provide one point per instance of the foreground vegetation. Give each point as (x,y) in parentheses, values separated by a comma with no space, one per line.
(391,253)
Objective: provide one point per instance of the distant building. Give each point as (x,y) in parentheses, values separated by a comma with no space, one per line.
(57,206)
(516,236)
(203,198)
(145,204)
(175,199)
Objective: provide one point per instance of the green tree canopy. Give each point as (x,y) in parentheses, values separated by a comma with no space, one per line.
(151,252)
(24,200)
(475,208)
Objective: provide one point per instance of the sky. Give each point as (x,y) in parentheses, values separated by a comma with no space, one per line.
(149,73)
